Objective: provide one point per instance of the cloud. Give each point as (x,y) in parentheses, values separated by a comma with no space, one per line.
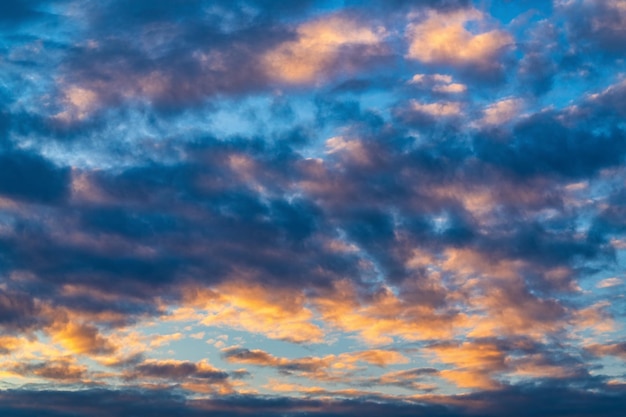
(327,45)
(15,12)
(475,363)
(337,368)
(29,177)
(573,152)
(177,370)
(277,314)
(440,109)
(411,379)
(63,370)
(18,312)
(257,357)
(597,25)
(386,185)
(609,282)
(384,316)
(612,349)
(81,339)
(517,402)
(441,38)
(502,111)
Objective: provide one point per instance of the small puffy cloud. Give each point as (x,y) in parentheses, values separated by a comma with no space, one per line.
(322,46)
(438,83)
(81,339)
(450,88)
(442,38)
(197,336)
(609,282)
(351,149)
(164,340)
(438,109)
(502,111)
(79,103)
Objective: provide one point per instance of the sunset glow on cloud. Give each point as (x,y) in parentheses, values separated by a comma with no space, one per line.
(321,208)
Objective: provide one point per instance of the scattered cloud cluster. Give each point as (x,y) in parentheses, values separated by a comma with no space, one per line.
(260,207)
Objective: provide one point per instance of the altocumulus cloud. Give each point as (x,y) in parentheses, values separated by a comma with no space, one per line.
(260,207)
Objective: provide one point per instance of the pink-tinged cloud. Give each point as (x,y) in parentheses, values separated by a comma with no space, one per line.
(322,47)
(442,38)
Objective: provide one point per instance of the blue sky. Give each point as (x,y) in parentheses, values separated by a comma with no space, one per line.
(329,208)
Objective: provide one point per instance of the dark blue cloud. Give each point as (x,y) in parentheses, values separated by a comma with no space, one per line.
(597,27)
(525,401)
(30,177)
(18,312)
(15,12)
(542,145)
(177,371)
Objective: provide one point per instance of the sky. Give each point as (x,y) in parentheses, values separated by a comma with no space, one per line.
(312,208)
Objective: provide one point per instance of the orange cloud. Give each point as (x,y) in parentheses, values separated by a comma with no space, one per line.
(376,357)
(499,297)
(385,316)
(318,49)
(476,363)
(611,349)
(595,318)
(8,344)
(275,313)
(81,339)
(443,38)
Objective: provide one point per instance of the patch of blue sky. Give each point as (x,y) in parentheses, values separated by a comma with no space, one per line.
(575,88)
(508,10)
(120,143)
(376,102)
(610,367)
(263,115)
(323,7)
